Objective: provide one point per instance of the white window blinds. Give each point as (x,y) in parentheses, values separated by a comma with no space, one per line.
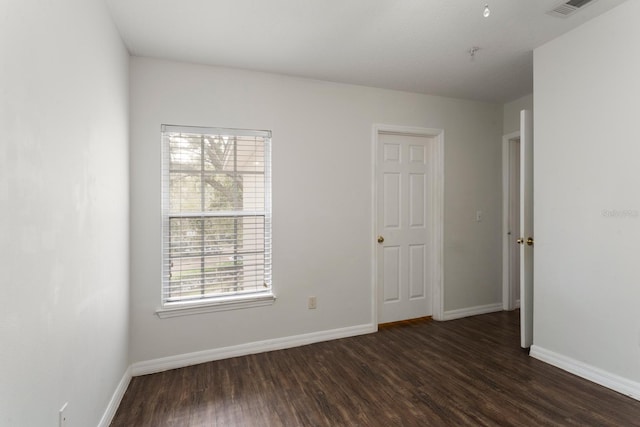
(216,196)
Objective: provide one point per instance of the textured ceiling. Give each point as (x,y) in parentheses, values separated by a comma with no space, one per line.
(412,45)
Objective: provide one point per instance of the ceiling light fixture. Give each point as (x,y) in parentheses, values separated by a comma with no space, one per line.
(472,52)
(486,12)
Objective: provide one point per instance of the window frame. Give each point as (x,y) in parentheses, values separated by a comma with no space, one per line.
(225,301)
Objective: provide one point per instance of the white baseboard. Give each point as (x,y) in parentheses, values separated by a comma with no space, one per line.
(517,304)
(591,373)
(472,311)
(188,359)
(107,417)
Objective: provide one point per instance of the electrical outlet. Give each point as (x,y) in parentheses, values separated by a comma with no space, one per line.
(312,303)
(62,415)
(478,216)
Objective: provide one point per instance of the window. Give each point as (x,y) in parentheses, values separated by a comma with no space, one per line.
(216,188)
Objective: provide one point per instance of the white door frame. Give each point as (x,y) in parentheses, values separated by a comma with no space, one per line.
(508,302)
(436,153)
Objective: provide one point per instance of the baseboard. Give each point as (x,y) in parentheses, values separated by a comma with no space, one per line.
(188,359)
(588,372)
(109,413)
(472,311)
(517,305)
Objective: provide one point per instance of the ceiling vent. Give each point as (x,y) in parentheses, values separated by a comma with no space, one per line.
(569,8)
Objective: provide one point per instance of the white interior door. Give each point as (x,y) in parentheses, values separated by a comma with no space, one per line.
(404,226)
(526,228)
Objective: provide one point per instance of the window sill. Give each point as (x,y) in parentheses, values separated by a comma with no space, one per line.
(220,304)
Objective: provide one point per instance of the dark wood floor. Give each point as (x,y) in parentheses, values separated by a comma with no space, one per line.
(463,372)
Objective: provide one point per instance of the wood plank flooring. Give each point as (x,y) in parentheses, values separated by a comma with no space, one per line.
(463,372)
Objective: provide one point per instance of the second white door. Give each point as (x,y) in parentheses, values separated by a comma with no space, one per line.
(526,228)
(404,225)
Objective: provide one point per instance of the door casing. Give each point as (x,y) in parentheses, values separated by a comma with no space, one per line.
(437,215)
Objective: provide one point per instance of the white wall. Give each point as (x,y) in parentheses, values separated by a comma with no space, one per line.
(587,194)
(64,208)
(322,198)
(511,113)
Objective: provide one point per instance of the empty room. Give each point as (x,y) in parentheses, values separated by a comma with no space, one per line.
(319,213)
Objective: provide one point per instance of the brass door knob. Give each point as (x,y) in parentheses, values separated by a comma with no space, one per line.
(380,239)
(530,241)
(520,240)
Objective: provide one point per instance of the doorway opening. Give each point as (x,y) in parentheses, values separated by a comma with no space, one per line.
(511,221)
(518,157)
